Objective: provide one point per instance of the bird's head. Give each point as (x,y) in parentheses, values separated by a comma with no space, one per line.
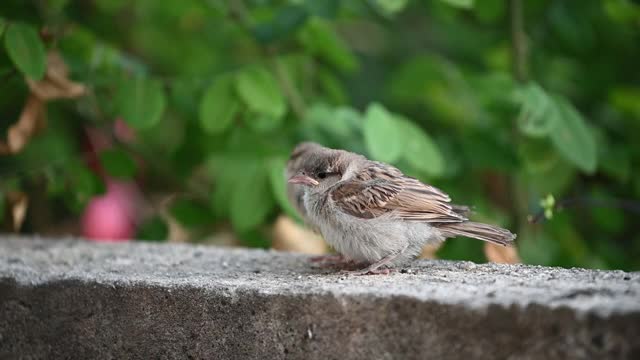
(317,167)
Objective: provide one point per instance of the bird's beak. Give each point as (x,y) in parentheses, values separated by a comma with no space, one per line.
(302,180)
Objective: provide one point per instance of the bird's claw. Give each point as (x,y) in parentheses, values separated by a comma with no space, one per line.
(367,271)
(332,261)
(327,259)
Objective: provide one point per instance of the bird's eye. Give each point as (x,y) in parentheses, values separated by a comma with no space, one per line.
(322,175)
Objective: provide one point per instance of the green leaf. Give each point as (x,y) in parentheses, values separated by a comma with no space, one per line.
(56,185)
(463,4)
(264,122)
(626,100)
(57,6)
(573,139)
(286,21)
(322,8)
(337,122)
(141,102)
(251,200)
(332,86)
(226,170)
(218,107)
(409,82)
(390,7)
(490,10)
(118,163)
(419,149)
(279,186)
(547,115)
(80,48)
(538,113)
(320,115)
(58,145)
(110,7)
(382,134)
(349,118)
(338,127)
(190,213)
(321,39)
(259,89)
(441,86)
(154,229)
(85,185)
(26,50)
(621,11)
(255,238)
(537,155)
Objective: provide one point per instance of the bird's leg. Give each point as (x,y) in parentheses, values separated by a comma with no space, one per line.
(374,269)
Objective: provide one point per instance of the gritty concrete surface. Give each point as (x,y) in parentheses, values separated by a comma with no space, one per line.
(74,299)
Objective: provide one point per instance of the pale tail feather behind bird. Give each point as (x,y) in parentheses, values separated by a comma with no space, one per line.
(480,231)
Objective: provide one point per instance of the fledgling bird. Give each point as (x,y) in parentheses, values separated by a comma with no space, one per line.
(371,212)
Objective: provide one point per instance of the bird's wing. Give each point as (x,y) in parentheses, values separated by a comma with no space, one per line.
(380,189)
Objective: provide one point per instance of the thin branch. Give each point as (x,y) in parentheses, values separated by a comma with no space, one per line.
(519,65)
(519,50)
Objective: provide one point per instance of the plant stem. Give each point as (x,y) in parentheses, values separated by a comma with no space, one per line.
(519,49)
(519,58)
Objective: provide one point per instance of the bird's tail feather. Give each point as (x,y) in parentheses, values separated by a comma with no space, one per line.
(480,231)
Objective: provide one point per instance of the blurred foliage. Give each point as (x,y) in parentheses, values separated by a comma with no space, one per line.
(218,93)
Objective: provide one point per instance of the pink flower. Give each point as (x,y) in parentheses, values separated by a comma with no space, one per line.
(112,216)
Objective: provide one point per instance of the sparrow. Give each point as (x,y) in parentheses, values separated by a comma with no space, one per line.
(372,213)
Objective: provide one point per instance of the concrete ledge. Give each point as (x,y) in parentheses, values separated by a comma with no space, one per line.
(72,299)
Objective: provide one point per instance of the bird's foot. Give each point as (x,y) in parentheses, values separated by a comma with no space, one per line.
(367,271)
(380,267)
(331,261)
(327,258)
